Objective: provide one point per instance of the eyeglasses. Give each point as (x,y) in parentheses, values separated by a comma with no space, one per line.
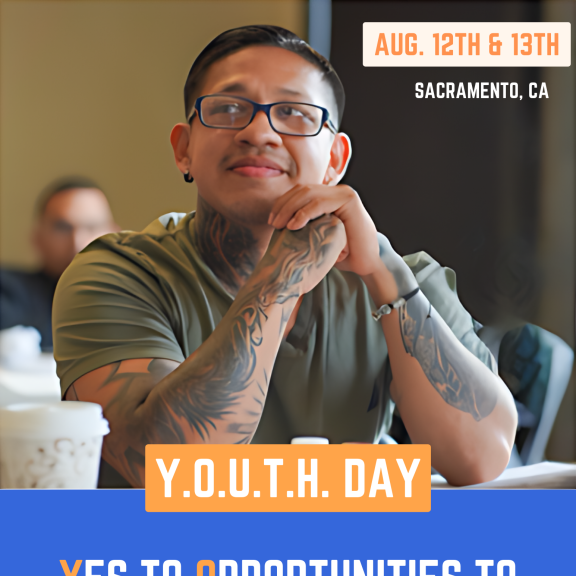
(235,113)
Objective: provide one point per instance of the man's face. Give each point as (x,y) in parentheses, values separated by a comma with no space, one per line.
(72,219)
(222,161)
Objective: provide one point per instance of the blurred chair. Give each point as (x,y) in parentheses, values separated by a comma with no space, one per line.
(536,366)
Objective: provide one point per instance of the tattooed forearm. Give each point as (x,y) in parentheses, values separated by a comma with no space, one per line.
(425,340)
(211,387)
(217,394)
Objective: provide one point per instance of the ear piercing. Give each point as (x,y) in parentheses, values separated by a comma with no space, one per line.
(187,177)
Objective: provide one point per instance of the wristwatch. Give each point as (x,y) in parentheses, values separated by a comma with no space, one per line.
(387,308)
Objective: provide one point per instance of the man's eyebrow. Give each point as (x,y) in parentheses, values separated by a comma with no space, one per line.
(236,87)
(239,87)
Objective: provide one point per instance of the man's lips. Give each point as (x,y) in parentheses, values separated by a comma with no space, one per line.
(257,171)
(256,167)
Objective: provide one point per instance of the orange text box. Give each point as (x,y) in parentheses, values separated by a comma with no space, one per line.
(287,478)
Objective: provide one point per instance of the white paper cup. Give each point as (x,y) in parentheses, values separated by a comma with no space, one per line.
(309,440)
(55,445)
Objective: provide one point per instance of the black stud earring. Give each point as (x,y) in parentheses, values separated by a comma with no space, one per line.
(187,177)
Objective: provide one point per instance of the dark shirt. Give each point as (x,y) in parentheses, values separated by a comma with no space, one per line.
(26,300)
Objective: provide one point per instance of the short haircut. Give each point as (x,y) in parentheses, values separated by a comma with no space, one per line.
(259,35)
(62,185)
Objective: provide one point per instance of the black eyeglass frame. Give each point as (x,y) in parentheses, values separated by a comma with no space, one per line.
(256,107)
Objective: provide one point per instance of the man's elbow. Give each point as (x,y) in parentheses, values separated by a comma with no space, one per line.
(489,458)
(481,468)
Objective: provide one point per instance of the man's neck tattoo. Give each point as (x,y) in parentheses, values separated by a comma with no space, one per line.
(229,249)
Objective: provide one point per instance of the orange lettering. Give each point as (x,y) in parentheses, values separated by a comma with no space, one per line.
(67,570)
(553,44)
(410,47)
(205,563)
(396,50)
(382,44)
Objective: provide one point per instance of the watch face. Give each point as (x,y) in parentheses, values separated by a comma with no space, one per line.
(382,311)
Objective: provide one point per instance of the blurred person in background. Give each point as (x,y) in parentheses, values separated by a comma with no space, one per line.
(71,213)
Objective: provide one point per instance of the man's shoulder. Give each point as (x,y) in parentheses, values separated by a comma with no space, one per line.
(165,226)
(417,261)
(120,256)
(132,245)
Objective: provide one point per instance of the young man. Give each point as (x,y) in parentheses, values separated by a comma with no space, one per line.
(71,213)
(251,319)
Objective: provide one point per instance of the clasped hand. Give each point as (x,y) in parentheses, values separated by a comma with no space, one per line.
(303,203)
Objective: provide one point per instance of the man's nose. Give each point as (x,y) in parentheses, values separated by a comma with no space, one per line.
(259,132)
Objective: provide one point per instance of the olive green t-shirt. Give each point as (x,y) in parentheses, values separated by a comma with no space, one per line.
(149,295)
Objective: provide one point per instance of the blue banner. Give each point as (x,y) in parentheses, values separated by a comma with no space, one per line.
(526,532)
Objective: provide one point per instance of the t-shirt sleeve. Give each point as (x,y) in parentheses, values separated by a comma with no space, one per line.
(438,284)
(107,308)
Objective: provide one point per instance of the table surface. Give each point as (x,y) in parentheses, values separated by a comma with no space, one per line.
(544,475)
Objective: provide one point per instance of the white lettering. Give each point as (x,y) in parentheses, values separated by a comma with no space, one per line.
(359,571)
(450,564)
(247,564)
(92,564)
(318,565)
(359,464)
(273,564)
(150,566)
(113,564)
(232,564)
(419,91)
(273,463)
(380,470)
(506,564)
(473,90)
(408,475)
(427,564)
(300,564)
(396,564)
(171,564)
(167,475)
(245,478)
(484,565)
(303,478)
(198,465)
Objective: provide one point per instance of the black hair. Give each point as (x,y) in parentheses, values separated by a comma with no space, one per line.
(259,35)
(62,185)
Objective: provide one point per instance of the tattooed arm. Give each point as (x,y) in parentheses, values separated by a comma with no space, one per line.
(217,394)
(446,396)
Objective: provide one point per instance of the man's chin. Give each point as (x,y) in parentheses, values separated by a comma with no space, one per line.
(252,202)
